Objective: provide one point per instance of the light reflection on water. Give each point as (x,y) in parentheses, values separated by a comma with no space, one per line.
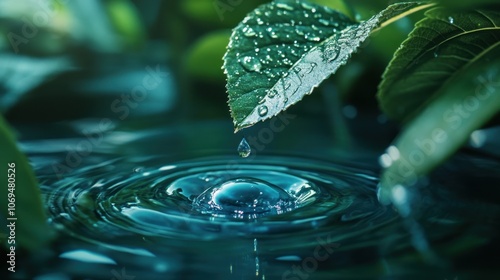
(131,211)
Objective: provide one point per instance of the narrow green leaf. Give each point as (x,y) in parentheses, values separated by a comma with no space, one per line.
(31,228)
(467,3)
(440,45)
(283,50)
(465,103)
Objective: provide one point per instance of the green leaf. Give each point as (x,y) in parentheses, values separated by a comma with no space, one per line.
(463,104)
(466,3)
(203,60)
(126,21)
(282,50)
(31,228)
(339,5)
(439,46)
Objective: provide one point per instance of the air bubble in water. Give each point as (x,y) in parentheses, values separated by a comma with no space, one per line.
(244,150)
(244,198)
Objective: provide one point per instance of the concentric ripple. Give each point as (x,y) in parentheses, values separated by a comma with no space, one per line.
(212,198)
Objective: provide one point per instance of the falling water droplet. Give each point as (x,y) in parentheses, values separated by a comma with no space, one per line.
(263,110)
(251,64)
(451,20)
(244,150)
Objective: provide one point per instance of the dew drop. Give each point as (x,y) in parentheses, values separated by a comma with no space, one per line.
(299,32)
(262,99)
(313,65)
(451,20)
(263,110)
(249,32)
(284,6)
(307,6)
(324,22)
(331,53)
(244,198)
(251,64)
(244,149)
(313,38)
(272,93)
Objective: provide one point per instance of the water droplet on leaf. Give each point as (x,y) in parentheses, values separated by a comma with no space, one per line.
(251,64)
(272,93)
(244,150)
(284,6)
(249,32)
(324,22)
(263,110)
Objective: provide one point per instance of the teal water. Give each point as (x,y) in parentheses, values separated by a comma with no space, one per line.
(144,214)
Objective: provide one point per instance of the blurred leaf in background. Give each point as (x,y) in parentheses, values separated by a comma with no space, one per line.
(21,198)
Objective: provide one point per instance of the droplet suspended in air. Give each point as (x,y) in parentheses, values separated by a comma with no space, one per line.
(263,110)
(450,20)
(251,64)
(244,149)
